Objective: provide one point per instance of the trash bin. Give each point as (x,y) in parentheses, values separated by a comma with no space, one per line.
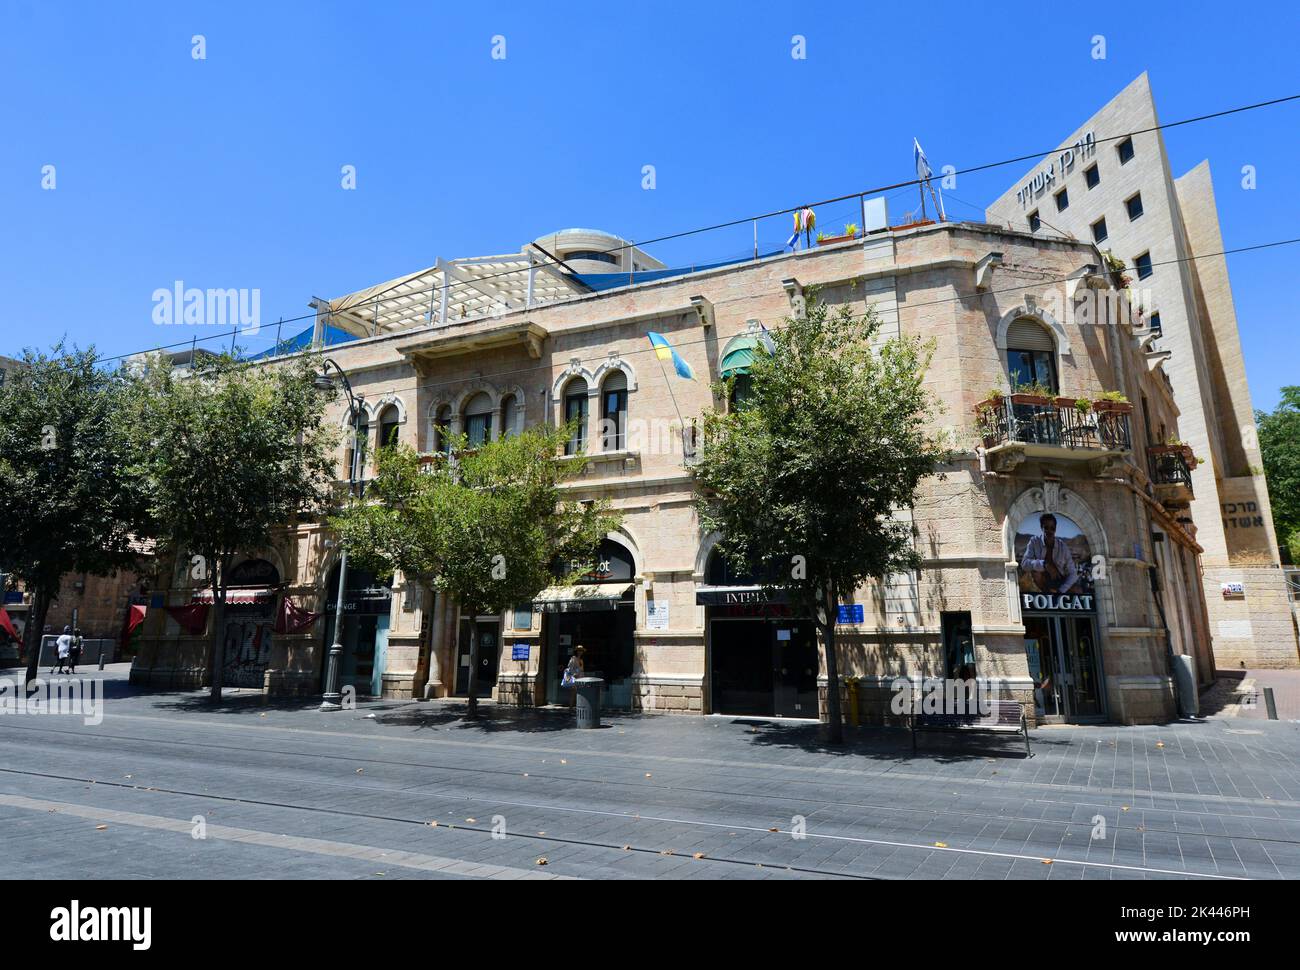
(588,703)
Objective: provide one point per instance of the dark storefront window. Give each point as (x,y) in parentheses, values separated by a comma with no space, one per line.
(958,646)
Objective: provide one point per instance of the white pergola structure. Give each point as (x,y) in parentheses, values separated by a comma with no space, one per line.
(451,291)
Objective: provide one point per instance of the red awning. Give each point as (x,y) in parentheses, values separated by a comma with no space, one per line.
(243,596)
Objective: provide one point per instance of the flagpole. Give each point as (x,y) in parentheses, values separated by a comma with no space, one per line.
(673,397)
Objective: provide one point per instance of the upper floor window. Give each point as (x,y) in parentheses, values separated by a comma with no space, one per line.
(1092,176)
(1125,149)
(1099,230)
(1034,222)
(389,427)
(478,421)
(575,410)
(613,412)
(509,416)
(1143,266)
(1062,200)
(358,445)
(1155,325)
(593,255)
(1031,356)
(442,430)
(1134,206)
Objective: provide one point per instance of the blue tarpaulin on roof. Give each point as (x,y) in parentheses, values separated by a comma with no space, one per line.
(609,281)
(291,345)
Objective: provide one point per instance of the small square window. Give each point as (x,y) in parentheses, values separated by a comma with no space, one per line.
(1134,206)
(1125,149)
(1091,176)
(1143,266)
(1099,230)
(1154,324)
(1034,222)
(1062,201)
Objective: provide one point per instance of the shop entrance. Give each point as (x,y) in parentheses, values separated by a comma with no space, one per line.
(488,631)
(367,603)
(1064,664)
(607,635)
(764,667)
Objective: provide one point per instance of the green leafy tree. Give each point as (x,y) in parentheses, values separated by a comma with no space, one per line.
(67,499)
(1279,442)
(228,454)
(804,478)
(485,526)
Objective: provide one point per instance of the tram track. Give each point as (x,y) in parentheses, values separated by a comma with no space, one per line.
(502,802)
(641,785)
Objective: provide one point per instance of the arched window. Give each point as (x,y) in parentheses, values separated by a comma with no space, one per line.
(509,416)
(478,420)
(388,427)
(442,430)
(575,409)
(613,412)
(358,444)
(1031,355)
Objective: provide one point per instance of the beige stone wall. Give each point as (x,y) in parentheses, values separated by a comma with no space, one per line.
(921,282)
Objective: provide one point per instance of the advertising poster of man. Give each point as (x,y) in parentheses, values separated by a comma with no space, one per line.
(1054,556)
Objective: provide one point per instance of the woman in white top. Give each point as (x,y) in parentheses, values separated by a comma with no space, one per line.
(573,672)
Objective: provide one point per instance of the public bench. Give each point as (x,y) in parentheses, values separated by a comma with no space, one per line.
(1004,717)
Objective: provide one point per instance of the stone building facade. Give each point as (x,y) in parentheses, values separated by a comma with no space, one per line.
(1092,636)
(1121,195)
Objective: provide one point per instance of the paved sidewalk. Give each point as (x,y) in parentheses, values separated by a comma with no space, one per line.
(279,789)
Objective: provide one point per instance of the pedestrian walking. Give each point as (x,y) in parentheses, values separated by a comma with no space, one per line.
(64,647)
(78,645)
(572,673)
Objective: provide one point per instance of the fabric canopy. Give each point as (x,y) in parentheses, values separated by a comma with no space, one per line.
(7,625)
(291,618)
(135,614)
(193,618)
(581,598)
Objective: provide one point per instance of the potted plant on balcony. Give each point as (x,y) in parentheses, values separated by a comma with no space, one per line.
(1176,446)
(1115,267)
(850,232)
(1035,393)
(987,422)
(1112,402)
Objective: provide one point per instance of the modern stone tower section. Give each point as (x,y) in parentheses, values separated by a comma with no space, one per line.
(1120,195)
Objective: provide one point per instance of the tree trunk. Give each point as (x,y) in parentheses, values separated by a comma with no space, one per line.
(34,630)
(217,653)
(472,685)
(835,725)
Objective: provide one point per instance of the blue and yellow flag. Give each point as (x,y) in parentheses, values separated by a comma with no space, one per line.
(664,351)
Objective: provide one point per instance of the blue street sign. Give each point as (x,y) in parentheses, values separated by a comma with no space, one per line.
(519,651)
(850,614)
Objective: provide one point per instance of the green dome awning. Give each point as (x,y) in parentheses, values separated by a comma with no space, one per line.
(740,356)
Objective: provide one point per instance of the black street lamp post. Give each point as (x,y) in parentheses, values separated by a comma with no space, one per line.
(333,698)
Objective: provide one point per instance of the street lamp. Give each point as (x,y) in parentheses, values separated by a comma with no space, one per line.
(332,699)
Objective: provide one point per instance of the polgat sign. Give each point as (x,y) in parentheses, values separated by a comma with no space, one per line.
(1058,602)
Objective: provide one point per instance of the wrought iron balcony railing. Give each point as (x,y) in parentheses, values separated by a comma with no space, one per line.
(1055,424)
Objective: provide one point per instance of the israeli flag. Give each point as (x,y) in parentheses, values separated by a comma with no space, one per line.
(923,171)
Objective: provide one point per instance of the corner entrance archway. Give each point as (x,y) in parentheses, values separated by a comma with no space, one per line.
(1058,605)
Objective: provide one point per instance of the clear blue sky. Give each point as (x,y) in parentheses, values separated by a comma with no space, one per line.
(225,172)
